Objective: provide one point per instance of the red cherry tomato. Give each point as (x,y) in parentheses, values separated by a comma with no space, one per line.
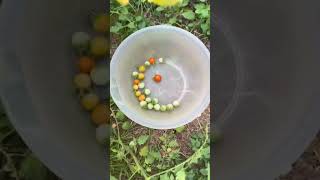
(157,78)
(152,60)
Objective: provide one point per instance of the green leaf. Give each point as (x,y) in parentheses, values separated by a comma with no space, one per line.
(156,154)
(181,175)
(190,25)
(189,15)
(191,174)
(181,128)
(172,20)
(205,152)
(124,10)
(194,161)
(155,178)
(142,139)
(131,25)
(203,10)
(132,143)
(122,17)
(115,29)
(184,3)
(204,27)
(199,6)
(160,166)
(177,169)
(159,9)
(144,151)
(32,169)
(164,177)
(172,177)
(120,116)
(113,178)
(142,25)
(149,159)
(120,155)
(173,143)
(139,18)
(126,125)
(204,172)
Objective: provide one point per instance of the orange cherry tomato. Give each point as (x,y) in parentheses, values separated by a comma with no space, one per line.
(100,114)
(157,78)
(136,81)
(86,64)
(142,97)
(152,60)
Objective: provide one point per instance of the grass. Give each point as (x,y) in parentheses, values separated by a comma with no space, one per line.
(142,153)
(191,15)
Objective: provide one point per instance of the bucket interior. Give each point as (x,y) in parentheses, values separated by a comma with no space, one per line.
(185,75)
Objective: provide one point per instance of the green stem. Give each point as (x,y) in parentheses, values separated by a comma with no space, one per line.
(144,174)
(120,174)
(132,175)
(114,12)
(128,165)
(186,161)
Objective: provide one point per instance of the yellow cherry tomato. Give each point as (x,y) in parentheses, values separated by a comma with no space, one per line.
(142,69)
(141,76)
(99,46)
(82,81)
(135,87)
(90,101)
(138,93)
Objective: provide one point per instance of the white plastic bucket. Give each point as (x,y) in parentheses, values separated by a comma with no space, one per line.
(186,75)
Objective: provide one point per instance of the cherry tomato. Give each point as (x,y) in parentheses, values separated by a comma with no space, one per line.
(157,78)
(142,69)
(136,81)
(152,60)
(99,46)
(90,101)
(100,114)
(142,97)
(138,93)
(141,76)
(101,23)
(86,64)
